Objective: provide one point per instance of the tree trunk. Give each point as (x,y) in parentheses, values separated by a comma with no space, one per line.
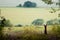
(45,29)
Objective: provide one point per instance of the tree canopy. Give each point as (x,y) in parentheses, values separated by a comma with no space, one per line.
(28,4)
(54,21)
(49,22)
(7,23)
(38,22)
(19,5)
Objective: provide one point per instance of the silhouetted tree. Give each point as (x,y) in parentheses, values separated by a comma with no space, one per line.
(45,29)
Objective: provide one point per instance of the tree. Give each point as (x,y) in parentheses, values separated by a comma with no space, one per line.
(49,22)
(33,4)
(48,1)
(58,3)
(8,23)
(19,5)
(29,4)
(38,22)
(0,22)
(45,27)
(19,25)
(54,21)
(59,21)
(3,21)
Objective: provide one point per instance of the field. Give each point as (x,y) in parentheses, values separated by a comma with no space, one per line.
(39,29)
(31,33)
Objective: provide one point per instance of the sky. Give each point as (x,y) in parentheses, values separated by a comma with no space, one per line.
(14,3)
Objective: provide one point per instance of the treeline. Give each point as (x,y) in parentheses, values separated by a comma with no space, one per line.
(40,22)
(28,4)
(36,22)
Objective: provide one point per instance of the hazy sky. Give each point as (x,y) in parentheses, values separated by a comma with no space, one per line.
(14,3)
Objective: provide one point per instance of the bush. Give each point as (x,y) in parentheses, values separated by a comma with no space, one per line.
(1,33)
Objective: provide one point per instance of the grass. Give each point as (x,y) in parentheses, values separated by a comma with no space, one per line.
(31,33)
(28,28)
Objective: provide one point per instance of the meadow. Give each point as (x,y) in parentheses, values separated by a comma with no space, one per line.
(32,33)
(39,29)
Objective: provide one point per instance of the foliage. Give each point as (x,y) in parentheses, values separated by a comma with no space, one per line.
(7,23)
(19,25)
(29,4)
(59,21)
(38,22)
(58,15)
(29,33)
(54,21)
(0,22)
(47,1)
(56,30)
(1,33)
(19,5)
(50,22)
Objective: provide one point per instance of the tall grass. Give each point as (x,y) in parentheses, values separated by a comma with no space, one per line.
(1,33)
(33,33)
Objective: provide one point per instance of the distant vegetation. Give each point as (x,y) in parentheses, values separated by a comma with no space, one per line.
(48,1)
(38,22)
(52,22)
(31,32)
(18,25)
(7,23)
(28,4)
